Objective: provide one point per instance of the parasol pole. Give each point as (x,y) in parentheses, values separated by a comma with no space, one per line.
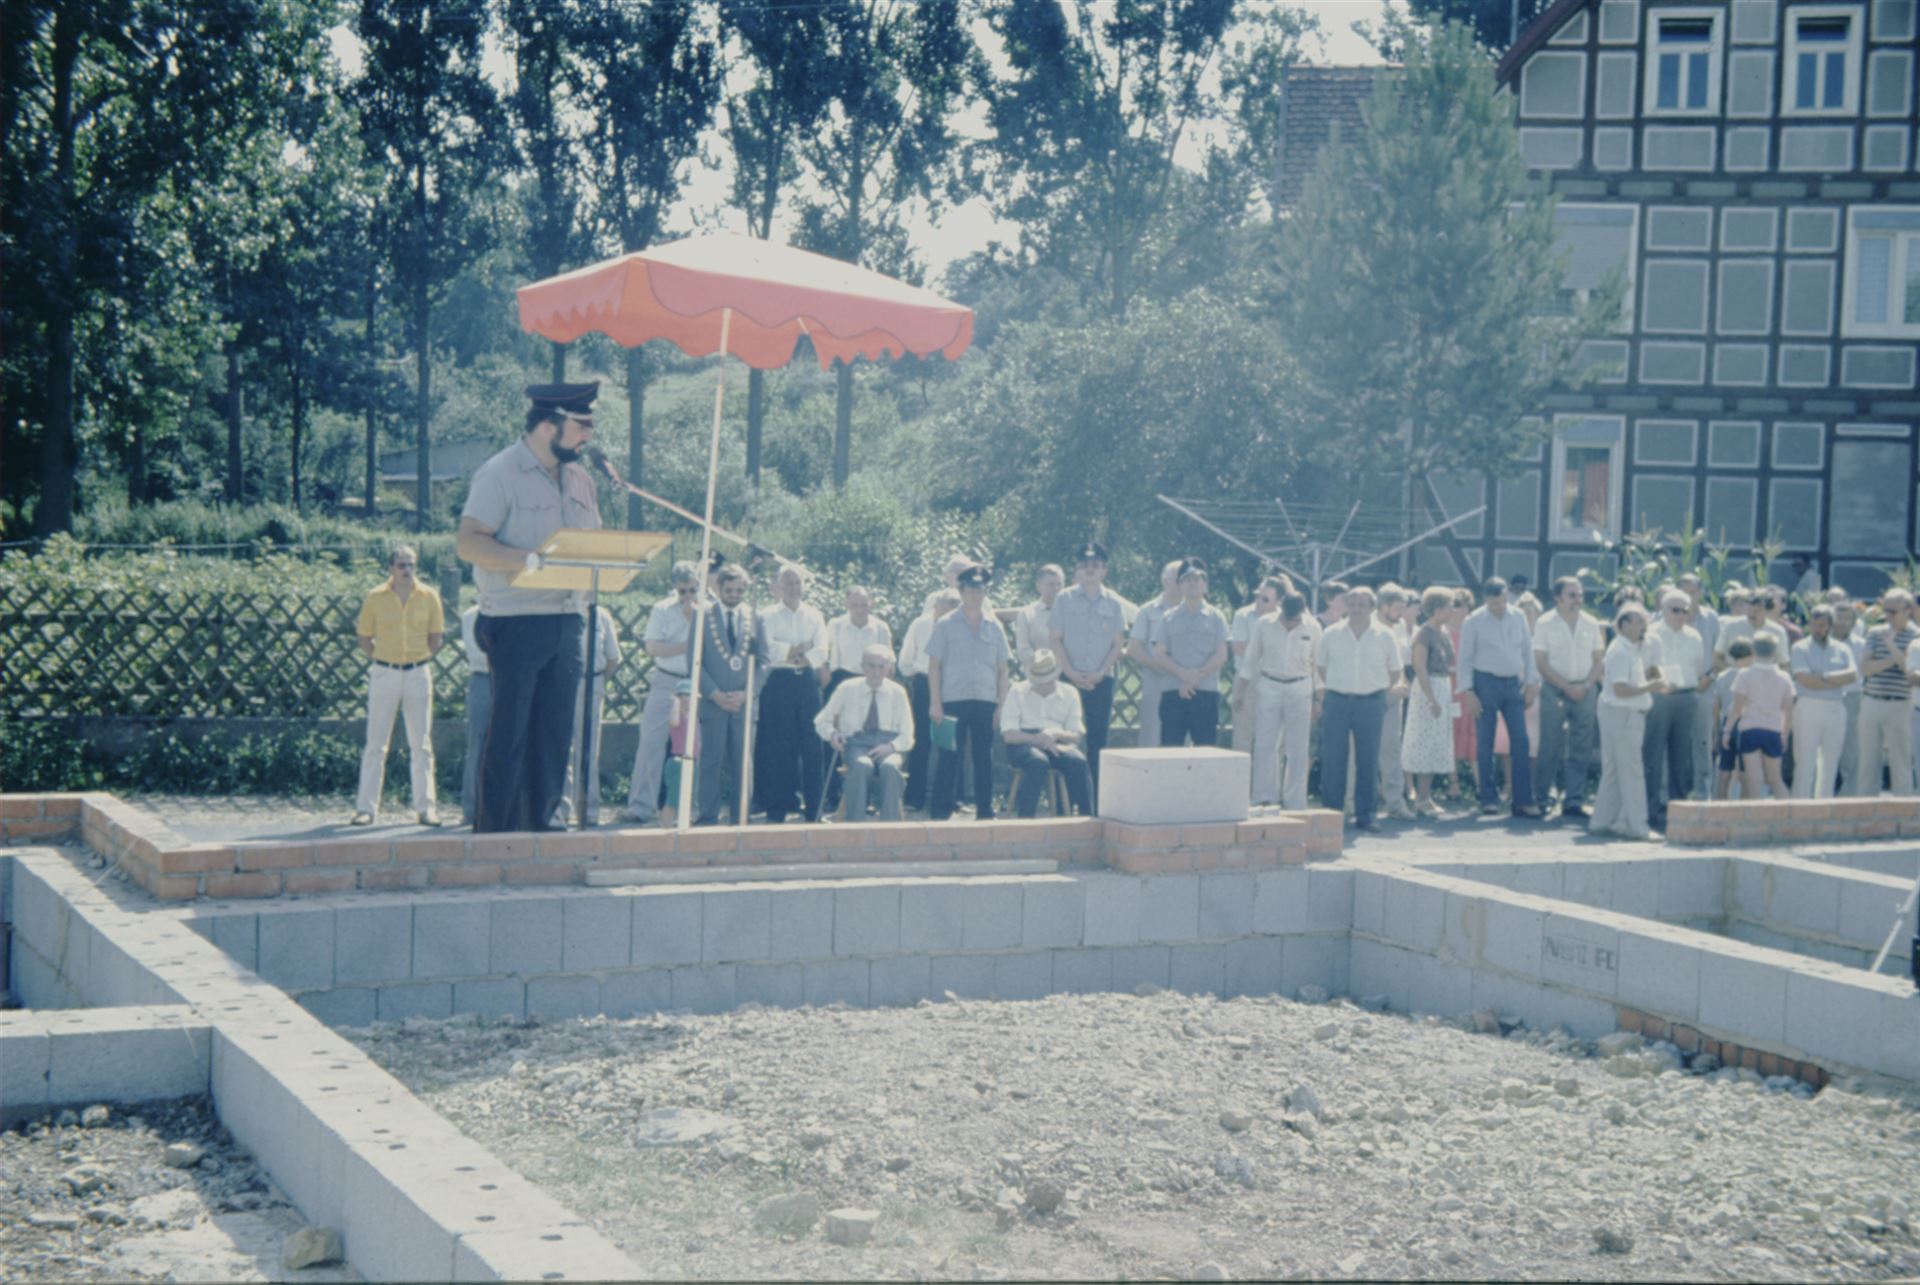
(685,819)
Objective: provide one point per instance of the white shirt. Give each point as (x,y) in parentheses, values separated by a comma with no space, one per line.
(913,648)
(1913,666)
(1274,651)
(1625,663)
(1026,710)
(787,626)
(476,659)
(1032,630)
(846,711)
(668,627)
(1568,648)
(1358,665)
(1683,655)
(847,642)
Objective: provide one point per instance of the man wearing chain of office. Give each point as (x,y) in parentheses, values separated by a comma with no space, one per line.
(734,632)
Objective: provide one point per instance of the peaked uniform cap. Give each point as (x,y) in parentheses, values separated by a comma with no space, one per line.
(573,399)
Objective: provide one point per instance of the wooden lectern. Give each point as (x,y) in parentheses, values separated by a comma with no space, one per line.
(580,559)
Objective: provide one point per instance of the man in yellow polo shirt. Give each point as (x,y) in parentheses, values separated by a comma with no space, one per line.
(401,626)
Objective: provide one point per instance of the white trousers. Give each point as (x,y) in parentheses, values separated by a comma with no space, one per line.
(1819,735)
(1886,741)
(1245,705)
(650,761)
(1280,737)
(409,691)
(1393,778)
(1621,803)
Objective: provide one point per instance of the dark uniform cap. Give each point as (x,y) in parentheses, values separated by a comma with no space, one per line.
(573,399)
(1193,566)
(1092,551)
(715,560)
(975,577)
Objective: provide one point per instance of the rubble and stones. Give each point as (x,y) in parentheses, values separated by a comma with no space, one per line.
(1403,1147)
(154,1192)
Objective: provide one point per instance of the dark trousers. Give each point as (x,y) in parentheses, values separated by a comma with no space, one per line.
(836,781)
(1502,698)
(535,662)
(919,697)
(1096,707)
(973,734)
(716,777)
(1031,764)
(1667,752)
(1196,716)
(1569,737)
(1359,720)
(788,761)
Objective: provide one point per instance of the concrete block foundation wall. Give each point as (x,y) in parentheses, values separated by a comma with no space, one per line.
(57,1058)
(172,869)
(1433,943)
(1822,909)
(1769,821)
(864,942)
(1818,909)
(413,1198)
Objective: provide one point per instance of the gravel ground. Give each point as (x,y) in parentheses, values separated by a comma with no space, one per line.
(162,1194)
(1163,1135)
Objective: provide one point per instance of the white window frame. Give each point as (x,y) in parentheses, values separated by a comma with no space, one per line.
(1905,257)
(1716,62)
(1561,533)
(1630,267)
(1852,64)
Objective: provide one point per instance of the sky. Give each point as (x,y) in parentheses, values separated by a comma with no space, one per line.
(940,238)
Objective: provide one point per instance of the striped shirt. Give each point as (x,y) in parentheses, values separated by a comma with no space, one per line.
(1891,682)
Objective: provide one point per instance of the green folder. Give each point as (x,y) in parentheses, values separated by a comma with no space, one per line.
(945,733)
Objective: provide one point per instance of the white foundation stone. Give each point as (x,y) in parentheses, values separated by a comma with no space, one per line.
(1174,786)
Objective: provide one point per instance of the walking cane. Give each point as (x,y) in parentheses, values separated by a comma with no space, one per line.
(746,747)
(833,761)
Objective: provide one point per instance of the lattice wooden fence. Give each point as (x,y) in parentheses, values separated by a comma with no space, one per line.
(67,652)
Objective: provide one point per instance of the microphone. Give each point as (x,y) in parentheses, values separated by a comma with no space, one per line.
(598,458)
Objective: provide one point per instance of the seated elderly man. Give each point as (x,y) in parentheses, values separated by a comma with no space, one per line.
(870,725)
(1041,725)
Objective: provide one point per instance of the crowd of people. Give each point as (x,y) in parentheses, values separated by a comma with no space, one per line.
(1390,693)
(1386,691)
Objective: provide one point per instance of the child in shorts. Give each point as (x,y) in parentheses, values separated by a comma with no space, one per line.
(1726,751)
(1762,711)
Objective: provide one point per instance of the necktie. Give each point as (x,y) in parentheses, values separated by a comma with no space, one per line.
(873,714)
(733,637)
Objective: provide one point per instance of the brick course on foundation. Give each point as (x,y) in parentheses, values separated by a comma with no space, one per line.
(172,869)
(1769,821)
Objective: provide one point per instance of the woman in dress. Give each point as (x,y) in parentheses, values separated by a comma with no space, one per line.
(1426,747)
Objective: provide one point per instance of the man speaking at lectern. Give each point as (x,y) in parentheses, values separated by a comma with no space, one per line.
(532,637)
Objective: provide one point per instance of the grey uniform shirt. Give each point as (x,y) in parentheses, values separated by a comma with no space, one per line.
(970,658)
(1146,632)
(1189,638)
(1088,626)
(514,495)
